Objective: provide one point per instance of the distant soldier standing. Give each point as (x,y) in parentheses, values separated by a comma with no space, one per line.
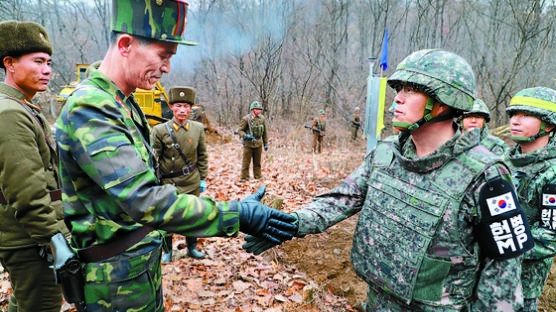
(114,204)
(478,117)
(355,124)
(182,153)
(319,130)
(253,131)
(532,124)
(30,198)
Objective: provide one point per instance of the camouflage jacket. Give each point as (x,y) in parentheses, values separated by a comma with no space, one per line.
(28,172)
(532,172)
(110,186)
(191,139)
(469,281)
(255,126)
(492,143)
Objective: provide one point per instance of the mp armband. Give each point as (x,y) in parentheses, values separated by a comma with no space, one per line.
(548,209)
(504,231)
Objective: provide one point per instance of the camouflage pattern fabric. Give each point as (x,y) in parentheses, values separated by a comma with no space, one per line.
(492,143)
(452,275)
(532,171)
(443,75)
(479,107)
(538,101)
(110,188)
(154,19)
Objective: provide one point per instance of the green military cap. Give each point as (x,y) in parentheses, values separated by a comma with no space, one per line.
(19,38)
(321,111)
(181,95)
(255,105)
(162,20)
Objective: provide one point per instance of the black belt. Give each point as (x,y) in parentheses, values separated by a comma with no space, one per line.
(115,246)
(187,170)
(54,196)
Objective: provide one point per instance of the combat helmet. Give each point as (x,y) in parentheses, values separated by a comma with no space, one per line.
(255,105)
(321,112)
(356,108)
(479,108)
(443,76)
(539,102)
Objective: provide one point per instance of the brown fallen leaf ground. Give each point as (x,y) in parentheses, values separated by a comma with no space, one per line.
(310,274)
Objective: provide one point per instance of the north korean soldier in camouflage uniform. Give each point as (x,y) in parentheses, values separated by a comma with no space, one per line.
(30,196)
(533,118)
(319,131)
(355,124)
(477,117)
(182,153)
(439,226)
(113,202)
(254,132)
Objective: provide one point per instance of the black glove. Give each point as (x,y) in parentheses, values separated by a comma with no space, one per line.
(257,245)
(261,221)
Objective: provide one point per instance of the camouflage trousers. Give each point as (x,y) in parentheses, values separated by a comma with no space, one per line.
(140,293)
(249,153)
(32,281)
(379,301)
(317,143)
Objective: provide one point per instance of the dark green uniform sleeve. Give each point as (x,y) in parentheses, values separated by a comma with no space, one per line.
(23,177)
(243,127)
(202,156)
(265,132)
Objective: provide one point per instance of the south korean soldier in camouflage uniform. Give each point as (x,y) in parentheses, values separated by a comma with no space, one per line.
(477,117)
(254,132)
(434,204)
(532,123)
(182,153)
(30,196)
(113,202)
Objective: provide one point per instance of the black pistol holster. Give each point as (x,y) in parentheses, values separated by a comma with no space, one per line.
(69,273)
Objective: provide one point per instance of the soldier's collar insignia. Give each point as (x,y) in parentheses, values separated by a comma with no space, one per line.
(32,105)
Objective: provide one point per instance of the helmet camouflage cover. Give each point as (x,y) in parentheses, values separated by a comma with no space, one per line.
(538,101)
(443,75)
(162,20)
(479,108)
(255,105)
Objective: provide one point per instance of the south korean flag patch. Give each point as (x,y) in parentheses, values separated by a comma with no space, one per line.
(503,231)
(548,210)
(501,204)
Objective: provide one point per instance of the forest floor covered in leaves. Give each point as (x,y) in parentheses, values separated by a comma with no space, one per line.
(310,274)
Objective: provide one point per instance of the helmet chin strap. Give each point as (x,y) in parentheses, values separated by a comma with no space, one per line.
(541,133)
(427,117)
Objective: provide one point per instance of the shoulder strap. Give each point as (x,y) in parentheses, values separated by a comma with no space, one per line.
(176,145)
(53,147)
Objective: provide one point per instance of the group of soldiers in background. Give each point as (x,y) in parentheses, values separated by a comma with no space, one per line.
(451,229)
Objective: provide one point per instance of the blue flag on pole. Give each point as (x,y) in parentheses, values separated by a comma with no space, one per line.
(384,57)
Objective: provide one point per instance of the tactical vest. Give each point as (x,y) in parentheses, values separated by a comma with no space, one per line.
(321,125)
(402,244)
(257,126)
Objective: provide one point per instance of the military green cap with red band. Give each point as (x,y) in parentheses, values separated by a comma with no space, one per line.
(162,20)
